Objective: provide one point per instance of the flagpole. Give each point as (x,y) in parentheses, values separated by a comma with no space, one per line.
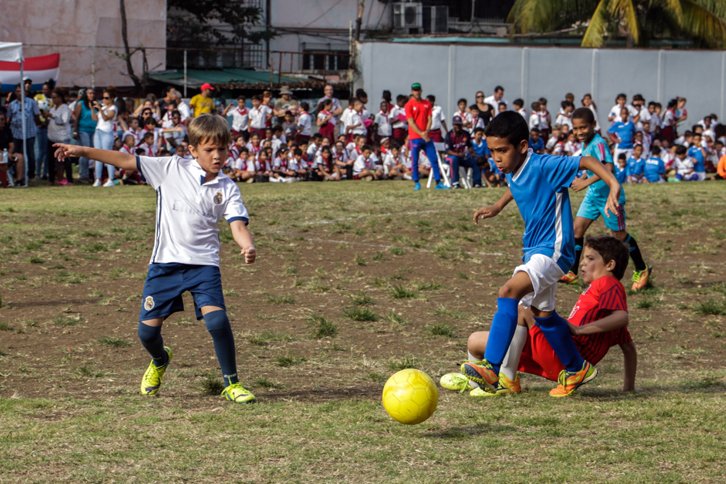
(22,111)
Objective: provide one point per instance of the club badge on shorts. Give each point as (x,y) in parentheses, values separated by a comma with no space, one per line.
(149,303)
(218,198)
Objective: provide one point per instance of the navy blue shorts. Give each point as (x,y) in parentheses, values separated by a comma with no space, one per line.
(165,284)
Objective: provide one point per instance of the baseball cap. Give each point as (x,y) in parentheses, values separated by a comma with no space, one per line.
(416,86)
(457,120)
(207,85)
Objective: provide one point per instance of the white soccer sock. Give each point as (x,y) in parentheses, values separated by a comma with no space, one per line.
(511,359)
(472,357)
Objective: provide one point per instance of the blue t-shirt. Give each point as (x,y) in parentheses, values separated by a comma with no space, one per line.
(625,131)
(696,153)
(654,168)
(598,149)
(621,174)
(482,149)
(636,166)
(540,189)
(536,145)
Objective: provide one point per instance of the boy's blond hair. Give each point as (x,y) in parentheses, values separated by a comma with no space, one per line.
(209,128)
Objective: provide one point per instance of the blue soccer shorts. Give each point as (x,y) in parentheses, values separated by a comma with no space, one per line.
(593,207)
(165,284)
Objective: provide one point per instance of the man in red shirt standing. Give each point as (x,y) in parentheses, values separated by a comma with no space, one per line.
(418,115)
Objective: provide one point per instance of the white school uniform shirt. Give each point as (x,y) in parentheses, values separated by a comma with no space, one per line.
(384,125)
(184,110)
(494,103)
(685,166)
(615,111)
(523,113)
(305,124)
(188,209)
(258,116)
(437,117)
(534,121)
(361,163)
(394,116)
(563,119)
(240,119)
(345,117)
(356,118)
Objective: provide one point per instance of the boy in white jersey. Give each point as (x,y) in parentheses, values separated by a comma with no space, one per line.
(192,196)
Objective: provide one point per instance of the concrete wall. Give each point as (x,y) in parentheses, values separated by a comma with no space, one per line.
(74,27)
(454,71)
(321,25)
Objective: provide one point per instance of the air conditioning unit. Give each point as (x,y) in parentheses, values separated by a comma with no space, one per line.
(436,20)
(408,16)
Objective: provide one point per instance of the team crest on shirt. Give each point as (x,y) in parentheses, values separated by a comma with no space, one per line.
(149,303)
(218,198)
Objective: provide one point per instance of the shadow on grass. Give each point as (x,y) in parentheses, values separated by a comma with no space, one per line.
(324,394)
(60,302)
(465,431)
(705,385)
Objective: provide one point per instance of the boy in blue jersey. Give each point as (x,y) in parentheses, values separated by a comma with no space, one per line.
(697,152)
(192,196)
(621,169)
(538,183)
(480,153)
(654,167)
(636,165)
(623,133)
(595,202)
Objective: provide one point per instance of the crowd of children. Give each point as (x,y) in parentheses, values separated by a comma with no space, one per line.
(284,140)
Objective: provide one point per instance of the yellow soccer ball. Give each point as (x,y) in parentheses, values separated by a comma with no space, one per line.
(410,396)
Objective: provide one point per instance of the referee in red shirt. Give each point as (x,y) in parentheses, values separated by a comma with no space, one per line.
(418,115)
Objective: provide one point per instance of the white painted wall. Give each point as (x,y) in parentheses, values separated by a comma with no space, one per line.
(73,27)
(454,71)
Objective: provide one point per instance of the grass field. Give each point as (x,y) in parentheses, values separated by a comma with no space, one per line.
(353,282)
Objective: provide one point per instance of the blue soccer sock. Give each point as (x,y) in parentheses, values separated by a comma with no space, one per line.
(221,331)
(502,331)
(557,333)
(150,337)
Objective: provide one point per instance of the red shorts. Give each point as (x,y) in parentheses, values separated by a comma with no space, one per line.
(435,136)
(538,357)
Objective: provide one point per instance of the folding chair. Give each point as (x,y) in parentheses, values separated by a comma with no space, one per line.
(443,167)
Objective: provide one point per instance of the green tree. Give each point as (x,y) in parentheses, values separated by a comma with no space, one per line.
(195,22)
(640,21)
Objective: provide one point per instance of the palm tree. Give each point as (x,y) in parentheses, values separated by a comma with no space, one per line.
(638,20)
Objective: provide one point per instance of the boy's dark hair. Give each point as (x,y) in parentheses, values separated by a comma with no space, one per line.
(622,156)
(431,98)
(316,136)
(535,106)
(681,150)
(543,100)
(473,106)
(244,149)
(478,130)
(534,130)
(297,152)
(462,100)
(366,148)
(518,102)
(585,114)
(401,97)
(510,125)
(257,97)
(655,150)
(610,249)
(305,106)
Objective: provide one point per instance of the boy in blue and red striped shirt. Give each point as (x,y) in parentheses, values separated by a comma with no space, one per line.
(598,321)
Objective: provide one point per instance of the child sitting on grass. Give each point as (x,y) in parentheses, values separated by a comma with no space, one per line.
(598,321)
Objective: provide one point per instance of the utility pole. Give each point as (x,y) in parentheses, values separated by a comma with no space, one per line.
(355,38)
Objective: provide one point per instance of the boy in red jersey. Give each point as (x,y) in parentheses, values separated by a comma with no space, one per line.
(598,321)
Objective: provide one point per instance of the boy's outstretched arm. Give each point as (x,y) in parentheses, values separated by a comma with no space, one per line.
(243,237)
(493,210)
(592,164)
(115,158)
(630,366)
(611,322)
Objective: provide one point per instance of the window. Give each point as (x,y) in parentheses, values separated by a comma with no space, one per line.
(333,60)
